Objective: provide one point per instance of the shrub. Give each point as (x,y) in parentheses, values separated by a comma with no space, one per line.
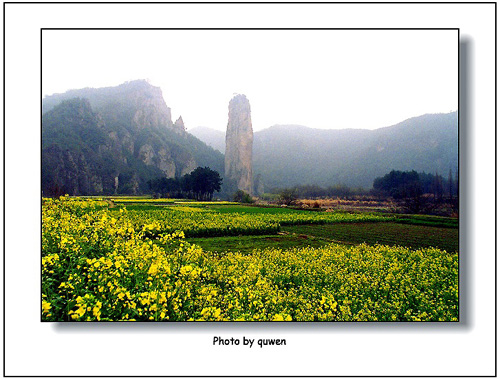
(288,196)
(242,197)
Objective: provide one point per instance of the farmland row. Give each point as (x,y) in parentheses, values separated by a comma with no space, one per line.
(415,236)
(204,222)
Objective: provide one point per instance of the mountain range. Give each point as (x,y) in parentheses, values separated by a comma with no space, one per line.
(114,140)
(289,155)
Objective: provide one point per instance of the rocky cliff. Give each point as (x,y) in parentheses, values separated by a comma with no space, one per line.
(113,140)
(239,141)
(179,124)
(132,105)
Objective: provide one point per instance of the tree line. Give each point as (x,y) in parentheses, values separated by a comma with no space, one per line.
(200,184)
(315,191)
(418,192)
(399,185)
(414,192)
(396,184)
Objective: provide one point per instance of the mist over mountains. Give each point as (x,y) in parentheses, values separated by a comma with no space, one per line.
(114,140)
(289,155)
(212,137)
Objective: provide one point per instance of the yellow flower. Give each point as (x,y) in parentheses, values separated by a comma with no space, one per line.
(97,312)
(80,311)
(153,269)
(46,307)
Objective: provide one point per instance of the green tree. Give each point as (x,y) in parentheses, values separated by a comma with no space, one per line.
(165,187)
(399,184)
(204,182)
(200,184)
(404,187)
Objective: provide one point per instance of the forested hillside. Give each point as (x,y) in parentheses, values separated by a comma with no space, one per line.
(289,155)
(114,140)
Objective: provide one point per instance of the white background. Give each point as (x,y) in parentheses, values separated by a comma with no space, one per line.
(49,349)
(317,78)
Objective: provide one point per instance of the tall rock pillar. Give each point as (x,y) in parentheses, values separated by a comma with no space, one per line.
(239,141)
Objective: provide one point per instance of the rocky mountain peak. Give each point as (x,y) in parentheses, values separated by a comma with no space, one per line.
(151,110)
(239,142)
(135,105)
(179,124)
(239,112)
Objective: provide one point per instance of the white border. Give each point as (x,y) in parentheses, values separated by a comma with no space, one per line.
(36,349)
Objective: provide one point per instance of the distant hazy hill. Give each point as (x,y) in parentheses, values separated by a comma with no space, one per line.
(291,155)
(114,139)
(212,137)
(288,155)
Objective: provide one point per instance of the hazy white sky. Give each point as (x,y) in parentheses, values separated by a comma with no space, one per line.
(317,78)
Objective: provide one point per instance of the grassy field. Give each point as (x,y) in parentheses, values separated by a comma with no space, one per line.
(130,260)
(247,244)
(415,231)
(407,235)
(394,234)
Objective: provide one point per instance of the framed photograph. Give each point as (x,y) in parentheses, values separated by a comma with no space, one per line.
(252,188)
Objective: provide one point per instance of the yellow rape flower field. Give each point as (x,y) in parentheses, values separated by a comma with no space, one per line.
(101,264)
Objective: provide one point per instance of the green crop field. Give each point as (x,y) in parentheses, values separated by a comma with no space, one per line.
(147,260)
(414,236)
(247,244)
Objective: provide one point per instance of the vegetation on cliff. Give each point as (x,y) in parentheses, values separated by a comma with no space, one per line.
(114,140)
